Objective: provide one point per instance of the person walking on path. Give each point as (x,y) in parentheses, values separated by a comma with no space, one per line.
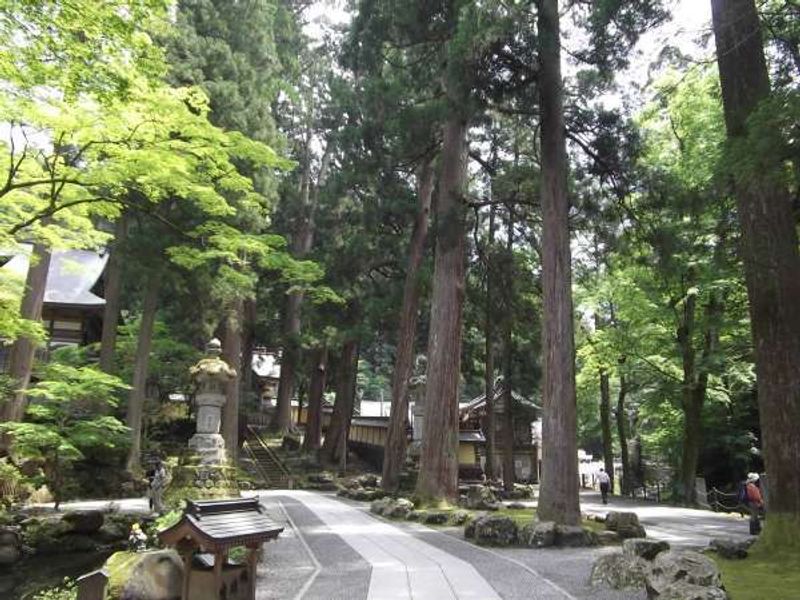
(157,486)
(605,484)
(754,501)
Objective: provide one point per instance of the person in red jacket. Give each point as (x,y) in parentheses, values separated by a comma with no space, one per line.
(754,501)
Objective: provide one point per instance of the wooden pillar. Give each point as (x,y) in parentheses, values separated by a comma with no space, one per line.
(252,569)
(187,574)
(219,560)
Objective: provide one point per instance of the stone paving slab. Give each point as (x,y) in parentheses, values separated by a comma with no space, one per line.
(331,570)
(402,566)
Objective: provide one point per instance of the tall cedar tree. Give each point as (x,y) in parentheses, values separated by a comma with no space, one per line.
(771,263)
(558,497)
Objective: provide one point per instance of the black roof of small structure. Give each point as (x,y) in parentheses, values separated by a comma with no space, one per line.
(220,524)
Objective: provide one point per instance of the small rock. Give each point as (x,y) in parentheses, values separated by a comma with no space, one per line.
(538,535)
(84,521)
(416,515)
(323,477)
(435,518)
(496,530)
(469,529)
(731,548)
(368,480)
(574,536)
(643,548)
(619,571)
(516,506)
(687,591)
(459,517)
(681,566)
(399,509)
(480,497)
(608,538)
(379,506)
(626,524)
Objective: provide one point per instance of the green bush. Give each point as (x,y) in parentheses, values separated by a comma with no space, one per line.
(68,590)
(14,486)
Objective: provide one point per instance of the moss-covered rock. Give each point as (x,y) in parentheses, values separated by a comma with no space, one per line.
(496,530)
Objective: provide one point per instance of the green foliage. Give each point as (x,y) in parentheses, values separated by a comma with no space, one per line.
(13,484)
(67,419)
(68,590)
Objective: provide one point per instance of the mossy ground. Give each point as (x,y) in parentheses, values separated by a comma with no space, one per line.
(763,575)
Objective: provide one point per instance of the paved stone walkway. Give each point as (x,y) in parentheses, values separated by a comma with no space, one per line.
(335,549)
(685,527)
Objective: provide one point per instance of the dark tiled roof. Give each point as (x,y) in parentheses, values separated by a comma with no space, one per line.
(70,278)
(223,523)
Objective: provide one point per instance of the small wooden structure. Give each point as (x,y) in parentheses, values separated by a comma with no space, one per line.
(92,586)
(204,536)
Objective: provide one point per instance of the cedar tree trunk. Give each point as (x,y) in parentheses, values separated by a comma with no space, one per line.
(319,365)
(438,468)
(112,293)
(303,242)
(140,370)
(626,481)
(558,496)
(395,450)
(20,361)
(339,427)
(772,268)
(508,399)
(488,328)
(232,354)
(605,424)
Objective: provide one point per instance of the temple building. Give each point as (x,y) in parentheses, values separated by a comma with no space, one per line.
(73,304)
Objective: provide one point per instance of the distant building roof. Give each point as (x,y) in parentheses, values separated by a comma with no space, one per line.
(71,277)
(480,401)
(266,364)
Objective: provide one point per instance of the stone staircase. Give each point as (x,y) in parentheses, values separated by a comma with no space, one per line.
(262,462)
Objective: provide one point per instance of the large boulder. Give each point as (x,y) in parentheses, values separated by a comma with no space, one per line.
(9,554)
(480,497)
(538,535)
(731,547)
(154,575)
(681,590)
(643,548)
(84,521)
(619,571)
(9,536)
(625,524)
(496,530)
(681,566)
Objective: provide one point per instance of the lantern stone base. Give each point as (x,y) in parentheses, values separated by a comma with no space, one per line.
(209,448)
(194,481)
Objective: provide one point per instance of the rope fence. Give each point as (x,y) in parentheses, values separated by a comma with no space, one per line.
(720,501)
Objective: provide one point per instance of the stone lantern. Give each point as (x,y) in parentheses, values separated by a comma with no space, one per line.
(210,375)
